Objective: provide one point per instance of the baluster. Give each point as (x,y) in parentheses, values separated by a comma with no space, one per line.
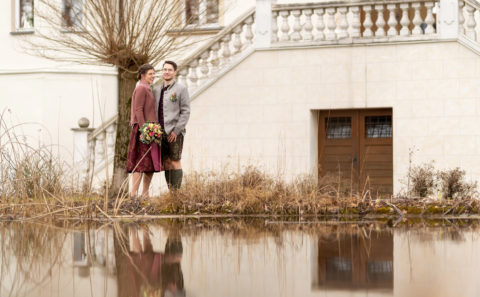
(111,140)
(392,20)
(214,57)
(91,155)
(237,40)
(343,23)
(461,18)
(274,26)
(285,27)
(417,20)
(380,21)
(204,66)
(295,36)
(470,32)
(429,20)
(331,25)
(356,23)
(320,24)
(99,147)
(404,21)
(182,76)
(367,24)
(192,74)
(308,26)
(226,49)
(248,30)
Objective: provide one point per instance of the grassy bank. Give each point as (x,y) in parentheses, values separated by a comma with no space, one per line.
(35,184)
(249,193)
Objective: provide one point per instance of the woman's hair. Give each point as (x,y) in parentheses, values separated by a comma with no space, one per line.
(143,70)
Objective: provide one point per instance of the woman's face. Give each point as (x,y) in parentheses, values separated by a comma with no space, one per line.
(149,76)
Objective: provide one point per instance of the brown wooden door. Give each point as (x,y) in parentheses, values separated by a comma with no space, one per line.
(355,147)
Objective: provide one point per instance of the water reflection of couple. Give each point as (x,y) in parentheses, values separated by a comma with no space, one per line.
(150,273)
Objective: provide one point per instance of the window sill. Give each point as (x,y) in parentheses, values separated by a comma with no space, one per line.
(22,31)
(71,30)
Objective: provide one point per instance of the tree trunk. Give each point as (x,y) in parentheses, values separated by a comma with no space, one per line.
(126,85)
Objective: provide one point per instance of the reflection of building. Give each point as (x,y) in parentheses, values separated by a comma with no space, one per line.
(80,257)
(93,251)
(354,261)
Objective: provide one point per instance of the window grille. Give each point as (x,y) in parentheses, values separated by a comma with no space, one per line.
(378,126)
(338,127)
(339,269)
(24,15)
(72,13)
(201,12)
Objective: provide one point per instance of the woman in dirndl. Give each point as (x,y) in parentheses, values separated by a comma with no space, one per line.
(143,159)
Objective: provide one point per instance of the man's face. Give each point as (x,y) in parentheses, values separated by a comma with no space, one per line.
(168,73)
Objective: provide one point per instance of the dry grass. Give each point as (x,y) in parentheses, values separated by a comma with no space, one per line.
(252,192)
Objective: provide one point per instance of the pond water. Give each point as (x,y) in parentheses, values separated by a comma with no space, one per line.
(241,257)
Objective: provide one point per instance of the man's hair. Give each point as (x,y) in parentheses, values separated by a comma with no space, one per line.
(143,70)
(171,63)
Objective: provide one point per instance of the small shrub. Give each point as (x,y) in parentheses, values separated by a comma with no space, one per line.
(422,178)
(453,185)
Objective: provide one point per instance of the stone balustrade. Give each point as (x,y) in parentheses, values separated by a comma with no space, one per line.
(352,22)
(219,53)
(94,148)
(469,19)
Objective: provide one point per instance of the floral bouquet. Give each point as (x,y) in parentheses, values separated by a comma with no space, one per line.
(151,132)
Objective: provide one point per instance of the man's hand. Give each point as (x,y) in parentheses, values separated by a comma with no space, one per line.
(172,137)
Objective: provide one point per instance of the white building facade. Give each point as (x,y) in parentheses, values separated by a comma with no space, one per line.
(294,88)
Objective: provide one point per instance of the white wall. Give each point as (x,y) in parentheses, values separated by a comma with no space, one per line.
(260,112)
(51,94)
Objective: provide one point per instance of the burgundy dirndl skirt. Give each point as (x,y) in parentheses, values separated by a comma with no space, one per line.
(143,157)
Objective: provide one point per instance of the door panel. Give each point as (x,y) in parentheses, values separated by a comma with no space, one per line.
(338,146)
(376,150)
(356,146)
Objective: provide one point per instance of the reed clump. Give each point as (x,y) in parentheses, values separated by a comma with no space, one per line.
(448,183)
(255,192)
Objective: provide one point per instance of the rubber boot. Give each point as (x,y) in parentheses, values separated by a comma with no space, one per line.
(176,176)
(168,178)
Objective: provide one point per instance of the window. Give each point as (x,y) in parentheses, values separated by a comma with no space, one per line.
(339,127)
(201,12)
(378,126)
(23,15)
(72,13)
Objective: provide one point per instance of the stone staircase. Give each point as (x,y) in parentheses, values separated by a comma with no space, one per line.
(271,26)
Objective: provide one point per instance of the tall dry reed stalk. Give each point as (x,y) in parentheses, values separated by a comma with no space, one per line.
(28,172)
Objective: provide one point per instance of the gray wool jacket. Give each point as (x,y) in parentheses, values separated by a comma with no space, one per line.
(176,107)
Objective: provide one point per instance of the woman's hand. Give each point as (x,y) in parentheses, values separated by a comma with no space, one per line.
(172,137)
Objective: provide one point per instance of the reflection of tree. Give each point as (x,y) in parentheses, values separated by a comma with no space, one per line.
(143,272)
(29,253)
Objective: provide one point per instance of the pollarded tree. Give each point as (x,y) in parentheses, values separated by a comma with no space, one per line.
(122,33)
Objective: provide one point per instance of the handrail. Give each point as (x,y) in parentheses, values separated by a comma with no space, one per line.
(312,5)
(102,128)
